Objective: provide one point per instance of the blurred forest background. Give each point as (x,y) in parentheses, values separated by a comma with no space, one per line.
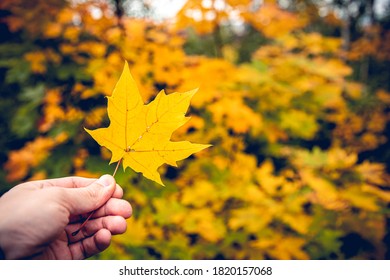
(294,96)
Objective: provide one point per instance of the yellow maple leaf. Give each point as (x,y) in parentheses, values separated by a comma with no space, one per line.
(139,134)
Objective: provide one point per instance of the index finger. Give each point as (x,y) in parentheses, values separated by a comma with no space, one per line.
(65,182)
(71,182)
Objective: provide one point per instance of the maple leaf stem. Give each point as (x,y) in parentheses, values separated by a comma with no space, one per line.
(116,168)
(90,215)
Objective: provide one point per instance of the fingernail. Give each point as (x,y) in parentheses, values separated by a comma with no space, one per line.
(105,180)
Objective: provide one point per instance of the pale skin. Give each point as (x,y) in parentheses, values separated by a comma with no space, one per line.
(37,218)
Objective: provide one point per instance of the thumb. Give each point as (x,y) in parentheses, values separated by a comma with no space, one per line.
(86,199)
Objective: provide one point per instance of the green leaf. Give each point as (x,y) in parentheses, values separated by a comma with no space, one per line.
(34,95)
(24,120)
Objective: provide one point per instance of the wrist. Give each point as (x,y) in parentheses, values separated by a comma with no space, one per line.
(5,244)
(2,256)
(2,253)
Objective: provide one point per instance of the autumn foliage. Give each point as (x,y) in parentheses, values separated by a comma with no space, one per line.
(297,168)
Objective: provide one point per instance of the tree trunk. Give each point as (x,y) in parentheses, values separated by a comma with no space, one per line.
(346,29)
(365,63)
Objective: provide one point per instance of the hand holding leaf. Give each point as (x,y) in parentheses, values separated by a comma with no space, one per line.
(139,135)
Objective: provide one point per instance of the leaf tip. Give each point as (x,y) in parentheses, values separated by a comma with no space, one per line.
(193,91)
(87,130)
(156,179)
(205,146)
(126,67)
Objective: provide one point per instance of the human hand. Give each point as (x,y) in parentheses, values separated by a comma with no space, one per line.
(37,218)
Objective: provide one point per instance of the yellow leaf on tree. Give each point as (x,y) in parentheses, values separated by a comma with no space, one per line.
(283,247)
(139,134)
(253,219)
